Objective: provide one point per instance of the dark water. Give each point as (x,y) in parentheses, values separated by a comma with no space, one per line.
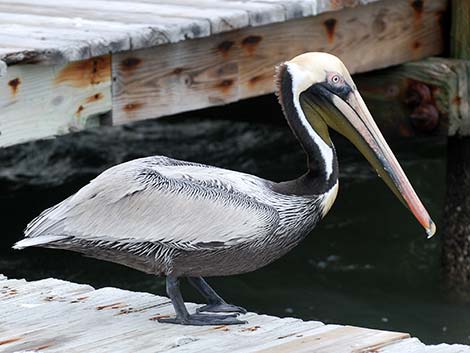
(368,263)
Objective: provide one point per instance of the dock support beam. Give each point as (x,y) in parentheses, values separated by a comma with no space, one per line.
(456,220)
(456,225)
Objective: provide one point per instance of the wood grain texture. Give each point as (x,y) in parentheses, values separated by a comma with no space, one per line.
(57,316)
(142,24)
(240,64)
(406,99)
(456,218)
(460,30)
(3,68)
(343,339)
(42,101)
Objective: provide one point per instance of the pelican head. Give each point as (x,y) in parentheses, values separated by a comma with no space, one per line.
(318,88)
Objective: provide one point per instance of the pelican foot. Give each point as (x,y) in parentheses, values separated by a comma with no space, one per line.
(221,308)
(204,320)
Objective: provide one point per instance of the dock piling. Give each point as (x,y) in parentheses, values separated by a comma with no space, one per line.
(456,225)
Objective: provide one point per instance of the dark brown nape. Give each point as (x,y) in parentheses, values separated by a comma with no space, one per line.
(315,181)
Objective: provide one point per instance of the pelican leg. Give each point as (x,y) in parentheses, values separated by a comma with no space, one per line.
(182,315)
(215,303)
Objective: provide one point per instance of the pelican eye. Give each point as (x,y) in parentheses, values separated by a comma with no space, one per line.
(336,84)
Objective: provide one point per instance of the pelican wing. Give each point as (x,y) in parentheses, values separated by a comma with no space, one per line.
(158,199)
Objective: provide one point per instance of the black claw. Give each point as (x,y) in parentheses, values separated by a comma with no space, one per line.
(204,320)
(221,308)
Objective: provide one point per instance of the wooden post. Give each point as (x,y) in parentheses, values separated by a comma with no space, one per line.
(456,220)
(421,98)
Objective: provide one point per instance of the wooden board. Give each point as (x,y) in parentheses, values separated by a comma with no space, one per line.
(427,97)
(39,101)
(137,24)
(58,316)
(239,64)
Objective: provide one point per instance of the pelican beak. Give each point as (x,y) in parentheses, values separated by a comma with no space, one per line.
(348,114)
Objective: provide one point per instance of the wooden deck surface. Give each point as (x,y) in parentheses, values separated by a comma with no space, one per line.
(58,316)
(66,65)
(69,30)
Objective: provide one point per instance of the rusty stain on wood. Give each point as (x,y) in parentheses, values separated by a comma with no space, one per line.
(425,115)
(380,23)
(111,306)
(416,45)
(10,340)
(79,110)
(79,299)
(225,85)
(130,107)
(51,298)
(94,98)
(90,329)
(330,26)
(158,316)
(14,84)
(256,79)
(457,100)
(250,43)
(86,72)
(221,328)
(251,329)
(40,348)
(269,45)
(178,70)
(225,46)
(125,311)
(418,93)
(418,8)
(9,292)
(130,64)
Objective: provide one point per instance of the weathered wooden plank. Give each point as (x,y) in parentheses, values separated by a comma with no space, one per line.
(72,42)
(425,97)
(220,19)
(343,339)
(41,101)
(266,331)
(460,39)
(59,316)
(240,64)
(3,68)
(413,345)
(258,13)
(320,6)
(165,21)
(456,232)
(155,29)
(125,315)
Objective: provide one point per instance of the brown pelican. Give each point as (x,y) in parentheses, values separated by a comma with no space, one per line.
(181,219)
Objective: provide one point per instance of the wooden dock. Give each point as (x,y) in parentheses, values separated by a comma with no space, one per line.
(57,316)
(72,64)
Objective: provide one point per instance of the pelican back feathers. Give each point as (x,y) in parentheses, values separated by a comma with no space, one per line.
(165,211)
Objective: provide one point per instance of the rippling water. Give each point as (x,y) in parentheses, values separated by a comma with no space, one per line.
(368,263)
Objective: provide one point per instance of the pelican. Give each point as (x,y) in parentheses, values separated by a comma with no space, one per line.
(181,219)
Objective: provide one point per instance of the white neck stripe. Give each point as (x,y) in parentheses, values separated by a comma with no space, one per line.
(325,150)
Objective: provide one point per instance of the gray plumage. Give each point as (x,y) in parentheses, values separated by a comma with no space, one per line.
(168,217)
